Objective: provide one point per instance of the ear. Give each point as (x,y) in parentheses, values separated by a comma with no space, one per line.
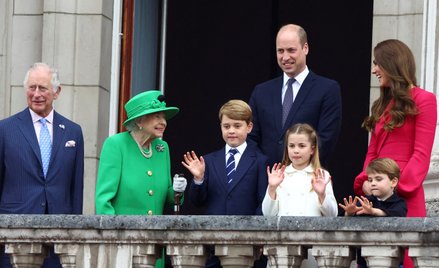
(313,148)
(394,182)
(58,90)
(306,48)
(249,127)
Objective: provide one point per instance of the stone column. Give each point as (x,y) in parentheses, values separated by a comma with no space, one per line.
(425,257)
(26,255)
(187,255)
(67,254)
(333,256)
(382,256)
(145,255)
(237,255)
(285,256)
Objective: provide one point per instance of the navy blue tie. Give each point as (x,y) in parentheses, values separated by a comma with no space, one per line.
(230,165)
(45,145)
(288,100)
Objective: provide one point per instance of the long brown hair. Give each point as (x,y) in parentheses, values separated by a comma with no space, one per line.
(397,62)
(313,139)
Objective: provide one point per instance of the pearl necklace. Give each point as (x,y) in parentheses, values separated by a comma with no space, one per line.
(145,152)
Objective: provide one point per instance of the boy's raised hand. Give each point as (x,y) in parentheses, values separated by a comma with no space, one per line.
(350,206)
(195,165)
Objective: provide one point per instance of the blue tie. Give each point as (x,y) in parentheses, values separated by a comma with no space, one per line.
(230,165)
(288,100)
(45,145)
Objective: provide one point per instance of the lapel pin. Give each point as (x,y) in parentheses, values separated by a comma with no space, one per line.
(62,126)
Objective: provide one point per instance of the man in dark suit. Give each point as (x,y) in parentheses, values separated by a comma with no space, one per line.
(298,96)
(232,180)
(33,179)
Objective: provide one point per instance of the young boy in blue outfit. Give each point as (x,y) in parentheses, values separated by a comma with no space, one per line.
(232,180)
(383,175)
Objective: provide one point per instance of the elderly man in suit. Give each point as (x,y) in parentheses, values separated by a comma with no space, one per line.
(298,96)
(41,155)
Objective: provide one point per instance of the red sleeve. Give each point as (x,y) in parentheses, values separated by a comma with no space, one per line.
(414,173)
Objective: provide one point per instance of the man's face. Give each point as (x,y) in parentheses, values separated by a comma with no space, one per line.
(39,91)
(291,56)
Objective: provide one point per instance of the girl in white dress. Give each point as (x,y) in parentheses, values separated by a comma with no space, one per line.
(299,186)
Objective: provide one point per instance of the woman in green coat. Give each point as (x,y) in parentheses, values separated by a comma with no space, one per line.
(134,175)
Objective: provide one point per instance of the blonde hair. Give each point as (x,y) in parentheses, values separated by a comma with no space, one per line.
(309,131)
(384,166)
(236,110)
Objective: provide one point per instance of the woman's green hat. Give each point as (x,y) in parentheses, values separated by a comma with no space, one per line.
(148,102)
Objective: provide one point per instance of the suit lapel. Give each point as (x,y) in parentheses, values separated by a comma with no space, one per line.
(304,91)
(244,164)
(59,129)
(219,166)
(276,101)
(27,129)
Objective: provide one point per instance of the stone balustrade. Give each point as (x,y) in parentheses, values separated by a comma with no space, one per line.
(137,241)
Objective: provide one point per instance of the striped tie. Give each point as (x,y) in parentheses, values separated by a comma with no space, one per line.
(230,165)
(288,100)
(45,145)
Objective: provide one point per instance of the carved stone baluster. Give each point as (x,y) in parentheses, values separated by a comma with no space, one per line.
(67,254)
(285,256)
(382,256)
(145,255)
(237,255)
(187,255)
(425,257)
(333,256)
(26,255)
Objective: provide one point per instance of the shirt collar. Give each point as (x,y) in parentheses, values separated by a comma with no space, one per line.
(291,169)
(240,148)
(299,78)
(36,117)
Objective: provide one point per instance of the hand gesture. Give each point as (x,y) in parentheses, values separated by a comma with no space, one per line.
(276,176)
(350,206)
(195,165)
(321,179)
(366,206)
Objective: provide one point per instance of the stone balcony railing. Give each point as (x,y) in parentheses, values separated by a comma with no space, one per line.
(136,241)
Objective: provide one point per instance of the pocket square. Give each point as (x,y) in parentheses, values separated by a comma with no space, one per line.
(70,144)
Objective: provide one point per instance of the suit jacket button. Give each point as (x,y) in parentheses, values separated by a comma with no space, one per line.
(149,212)
(149,173)
(43,204)
(150,192)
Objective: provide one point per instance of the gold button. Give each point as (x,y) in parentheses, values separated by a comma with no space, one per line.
(149,173)
(150,192)
(149,212)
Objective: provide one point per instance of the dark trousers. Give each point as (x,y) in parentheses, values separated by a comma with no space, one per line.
(214,262)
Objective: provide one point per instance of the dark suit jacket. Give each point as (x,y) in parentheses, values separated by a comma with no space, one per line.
(318,103)
(23,188)
(245,193)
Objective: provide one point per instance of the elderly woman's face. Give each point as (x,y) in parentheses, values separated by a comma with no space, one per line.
(153,124)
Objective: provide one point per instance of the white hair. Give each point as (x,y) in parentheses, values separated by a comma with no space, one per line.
(54,72)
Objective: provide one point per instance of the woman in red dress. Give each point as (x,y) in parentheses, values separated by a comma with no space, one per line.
(402,125)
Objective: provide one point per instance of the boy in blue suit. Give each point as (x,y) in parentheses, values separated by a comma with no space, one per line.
(232,180)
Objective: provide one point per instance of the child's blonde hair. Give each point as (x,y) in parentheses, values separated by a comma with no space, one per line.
(236,110)
(310,132)
(384,166)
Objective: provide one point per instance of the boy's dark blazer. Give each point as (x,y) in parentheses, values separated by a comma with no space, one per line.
(245,193)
